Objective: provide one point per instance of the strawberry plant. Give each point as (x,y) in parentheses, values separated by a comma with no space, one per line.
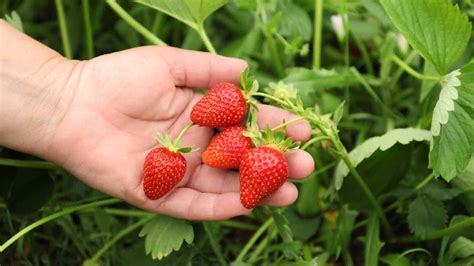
(386,86)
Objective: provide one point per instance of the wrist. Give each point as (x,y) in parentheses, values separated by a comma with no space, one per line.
(37,85)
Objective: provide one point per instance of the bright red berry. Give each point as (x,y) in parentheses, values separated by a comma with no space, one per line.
(162,172)
(227,148)
(262,171)
(223,106)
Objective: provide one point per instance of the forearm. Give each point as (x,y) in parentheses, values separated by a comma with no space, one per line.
(32,96)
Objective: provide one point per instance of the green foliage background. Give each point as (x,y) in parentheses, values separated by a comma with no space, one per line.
(387,115)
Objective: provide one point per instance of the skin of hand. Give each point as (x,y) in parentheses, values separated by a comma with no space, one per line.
(106,111)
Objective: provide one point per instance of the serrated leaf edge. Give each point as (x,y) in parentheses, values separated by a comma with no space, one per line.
(370,146)
(445,104)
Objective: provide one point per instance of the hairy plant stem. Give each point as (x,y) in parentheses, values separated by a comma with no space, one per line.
(314,140)
(286,123)
(205,39)
(214,244)
(28,164)
(331,132)
(119,236)
(88,29)
(413,72)
(63,28)
(318,28)
(425,181)
(239,225)
(55,216)
(254,239)
(135,24)
(183,131)
(467,223)
(262,245)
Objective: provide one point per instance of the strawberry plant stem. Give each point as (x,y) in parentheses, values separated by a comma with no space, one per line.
(254,239)
(332,133)
(313,140)
(369,195)
(205,39)
(239,225)
(63,28)
(53,216)
(284,124)
(262,245)
(119,236)
(467,223)
(88,29)
(214,244)
(318,26)
(413,72)
(181,134)
(372,93)
(425,181)
(134,23)
(28,164)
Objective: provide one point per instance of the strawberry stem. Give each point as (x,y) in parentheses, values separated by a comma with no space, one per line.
(262,94)
(181,134)
(313,140)
(284,124)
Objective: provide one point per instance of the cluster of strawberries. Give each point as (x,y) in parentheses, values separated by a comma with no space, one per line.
(263,168)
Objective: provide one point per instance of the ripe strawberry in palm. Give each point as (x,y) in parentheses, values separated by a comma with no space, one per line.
(227,148)
(164,167)
(223,106)
(263,169)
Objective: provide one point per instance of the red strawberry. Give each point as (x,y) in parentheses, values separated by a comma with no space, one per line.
(224,105)
(162,172)
(227,148)
(262,171)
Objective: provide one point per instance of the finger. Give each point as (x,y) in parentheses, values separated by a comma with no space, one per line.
(300,163)
(270,116)
(285,195)
(212,180)
(190,204)
(201,69)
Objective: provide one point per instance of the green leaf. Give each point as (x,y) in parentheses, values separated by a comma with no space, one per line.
(308,203)
(303,228)
(435,28)
(313,79)
(337,115)
(465,181)
(282,225)
(14,20)
(438,190)
(445,104)
(426,215)
(295,22)
(427,85)
(344,226)
(384,142)
(381,172)
(396,260)
(460,248)
(191,12)
(373,245)
(453,124)
(164,235)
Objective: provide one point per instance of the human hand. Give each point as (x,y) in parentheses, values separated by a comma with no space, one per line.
(114,105)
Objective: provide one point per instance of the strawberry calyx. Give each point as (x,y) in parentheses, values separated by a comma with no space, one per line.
(274,138)
(249,86)
(164,140)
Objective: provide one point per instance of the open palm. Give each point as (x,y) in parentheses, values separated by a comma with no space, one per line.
(119,102)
